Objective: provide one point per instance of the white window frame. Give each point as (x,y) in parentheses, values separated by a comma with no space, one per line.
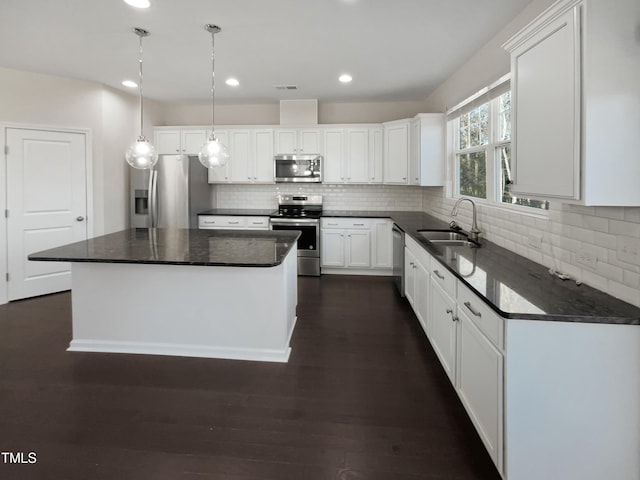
(493,165)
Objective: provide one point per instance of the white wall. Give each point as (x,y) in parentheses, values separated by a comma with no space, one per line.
(269,114)
(568,230)
(111,116)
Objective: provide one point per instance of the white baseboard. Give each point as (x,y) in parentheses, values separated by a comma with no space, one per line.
(145,348)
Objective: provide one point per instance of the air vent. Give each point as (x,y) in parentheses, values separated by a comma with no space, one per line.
(286,87)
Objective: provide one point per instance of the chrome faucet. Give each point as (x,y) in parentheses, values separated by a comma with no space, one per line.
(475,232)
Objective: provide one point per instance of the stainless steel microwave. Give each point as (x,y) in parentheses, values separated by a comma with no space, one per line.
(298,168)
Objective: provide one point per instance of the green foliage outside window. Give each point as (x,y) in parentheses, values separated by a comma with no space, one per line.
(473,175)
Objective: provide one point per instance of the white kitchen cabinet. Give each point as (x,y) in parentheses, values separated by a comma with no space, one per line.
(467,337)
(575,97)
(233,222)
(185,141)
(353,155)
(333,170)
(239,155)
(298,141)
(345,244)
(443,328)
(346,249)
(381,243)
(262,153)
(376,154)
(410,277)
(417,284)
(250,156)
(332,251)
(480,383)
(396,152)
(427,150)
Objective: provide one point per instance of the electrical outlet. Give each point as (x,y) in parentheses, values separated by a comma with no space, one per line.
(628,250)
(535,240)
(587,259)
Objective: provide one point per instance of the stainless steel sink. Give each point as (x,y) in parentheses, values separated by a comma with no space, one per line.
(447,237)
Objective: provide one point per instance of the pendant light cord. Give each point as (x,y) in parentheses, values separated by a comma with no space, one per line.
(140,84)
(213,82)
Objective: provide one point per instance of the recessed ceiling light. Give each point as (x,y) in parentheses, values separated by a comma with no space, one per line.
(232,82)
(345,78)
(129,83)
(138,3)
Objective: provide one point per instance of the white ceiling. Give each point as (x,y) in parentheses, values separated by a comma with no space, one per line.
(396,50)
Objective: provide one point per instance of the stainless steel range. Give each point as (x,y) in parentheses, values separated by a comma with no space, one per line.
(301,212)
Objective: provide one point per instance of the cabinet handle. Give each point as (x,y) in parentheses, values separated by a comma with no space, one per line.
(234,223)
(437,273)
(471,309)
(404,178)
(358,224)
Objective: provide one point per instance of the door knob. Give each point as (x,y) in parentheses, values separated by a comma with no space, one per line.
(79,218)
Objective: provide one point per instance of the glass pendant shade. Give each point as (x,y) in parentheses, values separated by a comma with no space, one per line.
(214,153)
(141,154)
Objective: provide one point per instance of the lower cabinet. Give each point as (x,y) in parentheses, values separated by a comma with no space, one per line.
(416,286)
(443,329)
(479,383)
(468,339)
(355,245)
(233,222)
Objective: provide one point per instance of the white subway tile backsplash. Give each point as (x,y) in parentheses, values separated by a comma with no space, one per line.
(335,197)
(566,232)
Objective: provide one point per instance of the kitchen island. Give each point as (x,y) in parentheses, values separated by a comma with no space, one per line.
(197,293)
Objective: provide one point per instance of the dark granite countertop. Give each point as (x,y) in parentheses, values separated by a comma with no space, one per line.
(239,212)
(229,248)
(514,286)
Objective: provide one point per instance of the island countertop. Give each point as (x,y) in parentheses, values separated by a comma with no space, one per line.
(230,248)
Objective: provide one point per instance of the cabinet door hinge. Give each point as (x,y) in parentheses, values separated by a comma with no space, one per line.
(6,213)
(7,276)
(6,149)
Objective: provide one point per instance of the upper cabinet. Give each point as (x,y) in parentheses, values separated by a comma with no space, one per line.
(576,104)
(184,141)
(396,152)
(353,154)
(298,141)
(427,150)
(250,156)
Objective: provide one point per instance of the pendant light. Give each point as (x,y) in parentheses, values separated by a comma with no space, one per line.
(142,154)
(213,153)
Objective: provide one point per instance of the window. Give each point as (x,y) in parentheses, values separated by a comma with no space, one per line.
(482,129)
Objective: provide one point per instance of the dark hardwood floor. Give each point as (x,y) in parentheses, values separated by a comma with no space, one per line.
(362,397)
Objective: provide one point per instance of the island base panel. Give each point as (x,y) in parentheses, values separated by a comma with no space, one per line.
(244,313)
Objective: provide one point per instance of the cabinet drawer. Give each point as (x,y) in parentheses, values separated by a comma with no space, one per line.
(346,223)
(444,278)
(491,324)
(260,223)
(221,221)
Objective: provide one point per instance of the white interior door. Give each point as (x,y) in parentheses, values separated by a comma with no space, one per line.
(47,206)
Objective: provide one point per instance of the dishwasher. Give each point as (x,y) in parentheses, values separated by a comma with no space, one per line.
(398,258)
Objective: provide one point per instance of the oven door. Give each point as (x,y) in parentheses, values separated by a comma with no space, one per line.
(309,241)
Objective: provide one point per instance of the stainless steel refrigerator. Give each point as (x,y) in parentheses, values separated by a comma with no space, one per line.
(170,195)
